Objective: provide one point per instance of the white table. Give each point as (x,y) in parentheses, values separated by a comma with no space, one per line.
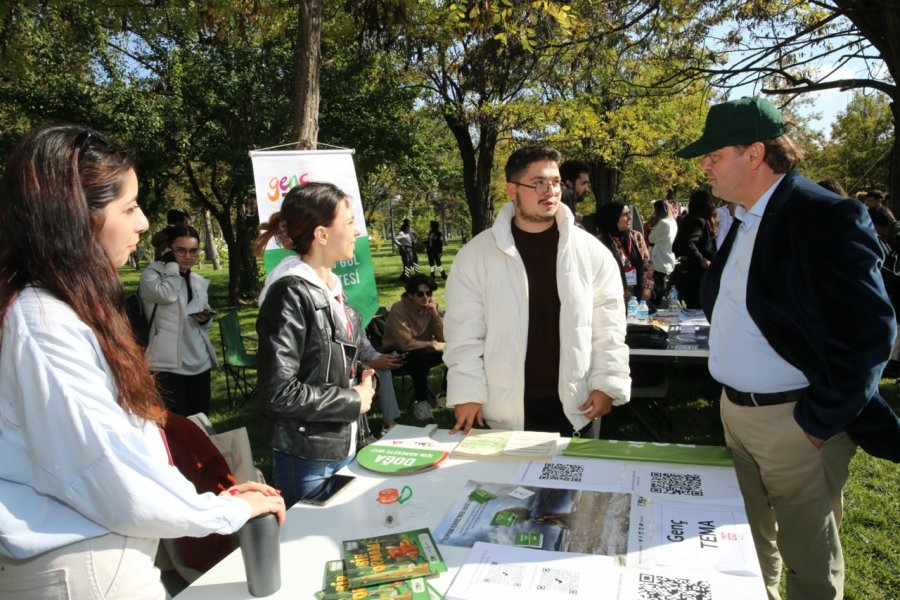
(312,535)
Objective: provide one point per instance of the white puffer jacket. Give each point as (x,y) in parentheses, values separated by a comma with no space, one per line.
(161,287)
(486,324)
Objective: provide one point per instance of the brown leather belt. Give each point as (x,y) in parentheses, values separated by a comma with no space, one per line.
(753,399)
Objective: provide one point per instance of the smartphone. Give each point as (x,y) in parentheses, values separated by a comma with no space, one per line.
(329,490)
(205,313)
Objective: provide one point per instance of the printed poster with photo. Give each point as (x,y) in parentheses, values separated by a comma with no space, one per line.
(562,520)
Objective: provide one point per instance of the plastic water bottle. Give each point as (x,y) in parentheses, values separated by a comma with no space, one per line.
(674,304)
(643,312)
(631,311)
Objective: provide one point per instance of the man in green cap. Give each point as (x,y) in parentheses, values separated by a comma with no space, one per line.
(801,328)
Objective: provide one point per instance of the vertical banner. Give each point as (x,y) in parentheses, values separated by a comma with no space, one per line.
(276,172)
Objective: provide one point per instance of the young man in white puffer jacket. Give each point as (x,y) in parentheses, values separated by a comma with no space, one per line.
(521,352)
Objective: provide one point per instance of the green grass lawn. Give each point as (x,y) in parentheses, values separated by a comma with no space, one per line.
(872,494)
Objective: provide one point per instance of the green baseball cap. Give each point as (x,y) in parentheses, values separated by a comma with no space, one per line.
(737,122)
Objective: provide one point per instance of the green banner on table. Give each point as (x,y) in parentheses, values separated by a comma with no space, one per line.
(649,452)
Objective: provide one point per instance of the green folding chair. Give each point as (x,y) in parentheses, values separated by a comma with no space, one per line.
(236,361)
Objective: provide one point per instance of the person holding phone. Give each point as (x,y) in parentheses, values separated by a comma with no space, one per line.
(179,350)
(87,485)
(312,396)
(415,328)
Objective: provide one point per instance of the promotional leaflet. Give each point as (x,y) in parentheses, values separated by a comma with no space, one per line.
(492,571)
(336,586)
(391,557)
(546,518)
(674,533)
(509,445)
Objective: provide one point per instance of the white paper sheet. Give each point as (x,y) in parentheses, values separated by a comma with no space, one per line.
(698,483)
(668,532)
(574,474)
(492,571)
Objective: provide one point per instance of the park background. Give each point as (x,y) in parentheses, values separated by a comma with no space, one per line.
(433,95)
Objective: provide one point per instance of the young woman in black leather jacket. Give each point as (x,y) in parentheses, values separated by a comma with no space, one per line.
(312,410)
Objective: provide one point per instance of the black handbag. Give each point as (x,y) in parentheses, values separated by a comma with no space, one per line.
(140,323)
(638,335)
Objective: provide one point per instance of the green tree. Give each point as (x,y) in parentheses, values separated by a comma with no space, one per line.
(792,48)
(861,140)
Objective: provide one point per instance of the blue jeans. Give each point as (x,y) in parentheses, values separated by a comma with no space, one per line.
(302,477)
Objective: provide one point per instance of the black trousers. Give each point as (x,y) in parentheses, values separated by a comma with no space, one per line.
(546,414)
(418,364)
(185,395)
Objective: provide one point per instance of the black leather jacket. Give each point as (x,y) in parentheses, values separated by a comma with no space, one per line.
(306,403)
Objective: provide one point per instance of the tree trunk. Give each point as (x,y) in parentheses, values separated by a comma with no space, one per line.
(477,165)
(894,173)
(247,226)
(605,180)
(212,255)
(307,60)
(879,23)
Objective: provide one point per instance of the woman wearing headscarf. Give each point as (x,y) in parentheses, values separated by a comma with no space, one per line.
(628,248)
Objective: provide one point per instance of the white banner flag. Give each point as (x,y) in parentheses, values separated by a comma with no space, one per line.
(276,172)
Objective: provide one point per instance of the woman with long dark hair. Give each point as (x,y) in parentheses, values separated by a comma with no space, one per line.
(695,246)
(86,482)
(313,409)
(628,248)
(179,351)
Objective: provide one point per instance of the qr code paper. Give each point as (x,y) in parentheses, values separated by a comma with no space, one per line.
(656,587)
(678,484)
(557,580)
(505,574)
(562,472)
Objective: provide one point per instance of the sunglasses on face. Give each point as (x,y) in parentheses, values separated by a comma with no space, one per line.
(420,293)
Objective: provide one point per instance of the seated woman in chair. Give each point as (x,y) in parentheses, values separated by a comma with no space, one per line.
(415,327)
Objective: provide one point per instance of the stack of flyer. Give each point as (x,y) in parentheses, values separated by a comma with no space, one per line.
(508,445)
(386,566)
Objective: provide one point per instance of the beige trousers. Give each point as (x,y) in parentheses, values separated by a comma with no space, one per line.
(109,567)
(792,491)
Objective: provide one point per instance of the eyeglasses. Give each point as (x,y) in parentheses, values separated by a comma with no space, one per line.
(84,139)
(420,293)
(541,186)
(186,251)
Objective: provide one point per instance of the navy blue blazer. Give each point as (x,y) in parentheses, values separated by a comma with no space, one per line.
(815,292)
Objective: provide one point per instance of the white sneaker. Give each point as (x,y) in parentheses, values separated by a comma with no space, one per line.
(421,410)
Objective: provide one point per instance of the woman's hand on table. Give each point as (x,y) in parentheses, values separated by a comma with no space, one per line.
(262,499)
